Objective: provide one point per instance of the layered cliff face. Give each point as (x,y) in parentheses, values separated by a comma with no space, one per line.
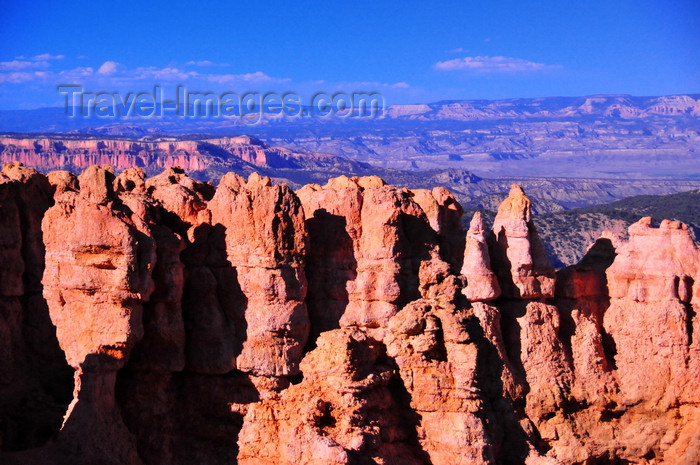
(82,153)
(157,153)
(348,323)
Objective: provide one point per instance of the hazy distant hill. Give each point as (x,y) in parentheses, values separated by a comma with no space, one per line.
(208,158)
(566,234)
(596,137)
(601,136)
(618,106)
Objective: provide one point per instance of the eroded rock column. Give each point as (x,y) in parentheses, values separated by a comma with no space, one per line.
(99,260)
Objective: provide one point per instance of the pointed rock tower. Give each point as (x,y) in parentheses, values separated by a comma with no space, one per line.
(482,284)
(517,254)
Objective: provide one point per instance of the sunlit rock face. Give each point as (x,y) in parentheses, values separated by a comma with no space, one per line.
(348,323)
(266,244)
(367,241)
(517,252)
(482,283)
(653,321)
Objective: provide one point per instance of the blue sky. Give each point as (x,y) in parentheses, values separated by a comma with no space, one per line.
(410,51)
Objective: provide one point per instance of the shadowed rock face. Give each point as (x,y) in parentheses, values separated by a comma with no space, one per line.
(35,381)
(251,324)
(266,245)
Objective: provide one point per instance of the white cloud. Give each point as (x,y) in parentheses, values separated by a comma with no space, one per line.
(48,56)
(485,64)
(108,68)
(16,78)
(42,57)
(75,73)
(456,50)
(205,63)
(362,86)
(112,73)
(257,76)
(166,74)
(16,65)
(119,73)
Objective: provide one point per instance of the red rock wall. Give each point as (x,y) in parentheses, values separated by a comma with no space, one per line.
(343,324)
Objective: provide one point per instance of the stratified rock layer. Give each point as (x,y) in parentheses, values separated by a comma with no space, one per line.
(349,323)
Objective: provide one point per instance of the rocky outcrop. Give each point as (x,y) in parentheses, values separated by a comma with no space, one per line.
(339,324)
(343,412)
(333,221)
(266,245)
(99,259)
(445,217)
(653,322)
(628,321)
(437,357)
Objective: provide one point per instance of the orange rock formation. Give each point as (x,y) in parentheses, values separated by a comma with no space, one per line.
(351,323)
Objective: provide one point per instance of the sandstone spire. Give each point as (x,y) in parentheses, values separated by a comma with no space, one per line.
(445,216)
(266,242)
(482,284)
(517,254)
(379,237)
